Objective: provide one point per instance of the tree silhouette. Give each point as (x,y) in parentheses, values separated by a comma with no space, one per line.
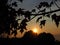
(8,15)
(46,39)
(28,38)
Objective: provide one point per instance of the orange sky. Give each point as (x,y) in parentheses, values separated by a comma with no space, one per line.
(50,27)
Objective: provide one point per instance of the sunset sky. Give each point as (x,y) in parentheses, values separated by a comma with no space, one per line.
(50,26)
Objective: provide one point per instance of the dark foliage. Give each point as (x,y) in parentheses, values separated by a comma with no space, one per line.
(46,38)
(20,0)
(29,39)
(42,23)
(14,4)
(56,19)
(8,16)
(33,10)
(23,25)
(38,19)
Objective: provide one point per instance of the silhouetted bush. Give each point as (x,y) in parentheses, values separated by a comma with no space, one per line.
(46,39)
(30,39)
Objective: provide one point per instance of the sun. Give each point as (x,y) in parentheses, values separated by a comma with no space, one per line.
(35,30)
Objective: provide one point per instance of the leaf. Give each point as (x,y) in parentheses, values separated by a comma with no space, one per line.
(27,14)
(53,17)
(20,11)
(51,3)
(42,23)
(14,32)
(33,10)
(14,4)
(44,4)
(23,25)
(48,15)
(24,22)
(39,6)
(20,1)
(57,23)
(38,19)
(21,30)
(56,19)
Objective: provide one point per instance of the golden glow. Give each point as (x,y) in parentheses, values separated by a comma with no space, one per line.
(35,30)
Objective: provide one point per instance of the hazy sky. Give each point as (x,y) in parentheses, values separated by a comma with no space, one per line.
(49,27)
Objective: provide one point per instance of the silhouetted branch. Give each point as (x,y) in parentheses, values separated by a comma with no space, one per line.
(45,13)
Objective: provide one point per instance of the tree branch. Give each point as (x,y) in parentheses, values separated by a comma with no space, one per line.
(45,13)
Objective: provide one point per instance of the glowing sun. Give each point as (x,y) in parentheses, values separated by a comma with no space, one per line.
(35,30)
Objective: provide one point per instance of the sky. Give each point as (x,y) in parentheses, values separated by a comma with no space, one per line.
(49,27)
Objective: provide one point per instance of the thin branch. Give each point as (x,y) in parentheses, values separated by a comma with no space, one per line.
(45,13)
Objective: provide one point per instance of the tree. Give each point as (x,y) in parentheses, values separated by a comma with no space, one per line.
(46,38)
(8,15)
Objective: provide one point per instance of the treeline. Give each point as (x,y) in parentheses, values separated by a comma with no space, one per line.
(31,39)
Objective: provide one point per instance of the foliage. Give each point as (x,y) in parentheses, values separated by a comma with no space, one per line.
(30,39)
(8,16)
